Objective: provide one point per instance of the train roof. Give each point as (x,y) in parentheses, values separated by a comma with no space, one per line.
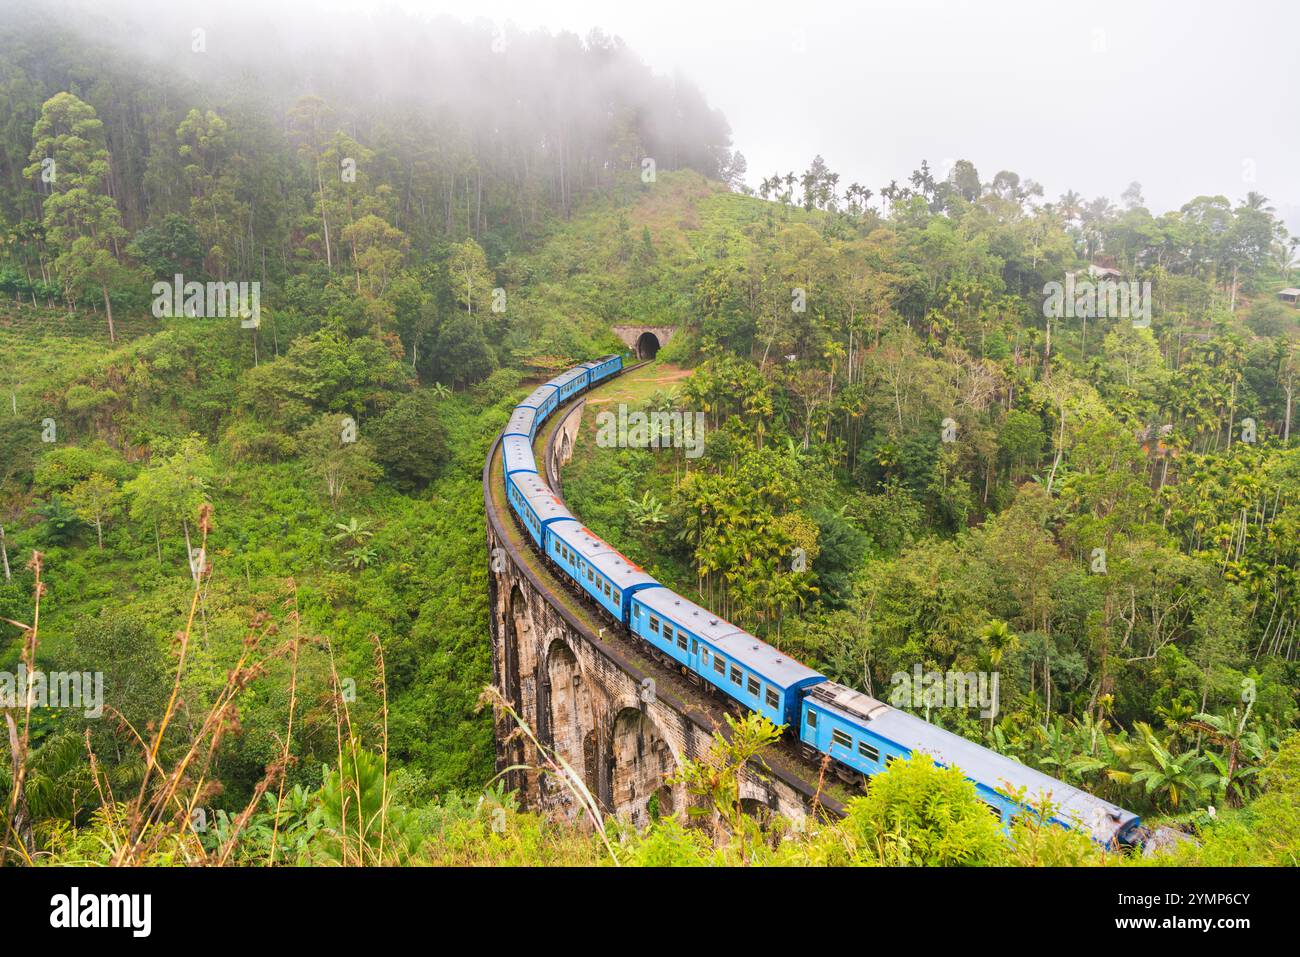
(774,665)
(564,378)
(855,703)
(602,556)
(538,395)
(521,420)
(518,452)
(975,761)
(540,498)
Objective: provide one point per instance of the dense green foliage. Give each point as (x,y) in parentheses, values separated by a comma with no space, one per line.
(921,470)
(906,464)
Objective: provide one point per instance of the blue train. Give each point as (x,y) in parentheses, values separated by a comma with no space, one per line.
(860,734)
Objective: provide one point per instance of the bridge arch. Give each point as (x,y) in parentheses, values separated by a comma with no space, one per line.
(640,762)
(571,726)
(518,627)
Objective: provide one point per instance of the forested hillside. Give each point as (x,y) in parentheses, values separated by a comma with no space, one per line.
(920,470)
(907,464)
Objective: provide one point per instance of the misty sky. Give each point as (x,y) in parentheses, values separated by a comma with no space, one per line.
(1186,98)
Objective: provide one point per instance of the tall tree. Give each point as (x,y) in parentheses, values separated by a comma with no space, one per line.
(70,156)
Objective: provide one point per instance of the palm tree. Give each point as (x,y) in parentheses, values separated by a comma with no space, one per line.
(1257,201)
(1070,205)
(439,390)
(999,638)
(1161,773)
(1284,258)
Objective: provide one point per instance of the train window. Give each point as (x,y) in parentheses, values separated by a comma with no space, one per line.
(636,611)
(681,640)
(720,665)
(868,752)
(736,675)
(889,759)
(654,624)
(609,592)
(753,685)
(695,647)
(840,738)
(812,719)
(590,577)
(773,699)
(995,811)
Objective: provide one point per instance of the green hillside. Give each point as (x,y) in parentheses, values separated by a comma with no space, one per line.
(270,538)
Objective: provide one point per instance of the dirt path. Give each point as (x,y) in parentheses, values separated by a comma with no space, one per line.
(636,387)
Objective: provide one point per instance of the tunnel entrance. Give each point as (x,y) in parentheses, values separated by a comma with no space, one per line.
(647,347)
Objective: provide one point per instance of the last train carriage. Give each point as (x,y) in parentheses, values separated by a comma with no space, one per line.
(860,734)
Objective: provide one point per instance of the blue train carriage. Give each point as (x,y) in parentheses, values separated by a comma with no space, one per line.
(517,455)
(994,773)
(535,504)
(543,401)
(735,662)
(865,735)
(599,569)
(604,368)
(523,421)
(568,384)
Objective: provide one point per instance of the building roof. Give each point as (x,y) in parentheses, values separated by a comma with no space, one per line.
(1289,292)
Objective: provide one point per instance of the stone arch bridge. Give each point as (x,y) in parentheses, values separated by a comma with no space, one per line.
(623,721)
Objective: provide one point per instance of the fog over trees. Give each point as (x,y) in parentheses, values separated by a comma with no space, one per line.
(455,128)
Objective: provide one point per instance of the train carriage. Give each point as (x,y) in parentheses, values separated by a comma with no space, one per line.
(568,384)
(523,421)
(517,455)
(536,505)
(742,666)
(598,568)
(604,368)
(543,400)
(866,734)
